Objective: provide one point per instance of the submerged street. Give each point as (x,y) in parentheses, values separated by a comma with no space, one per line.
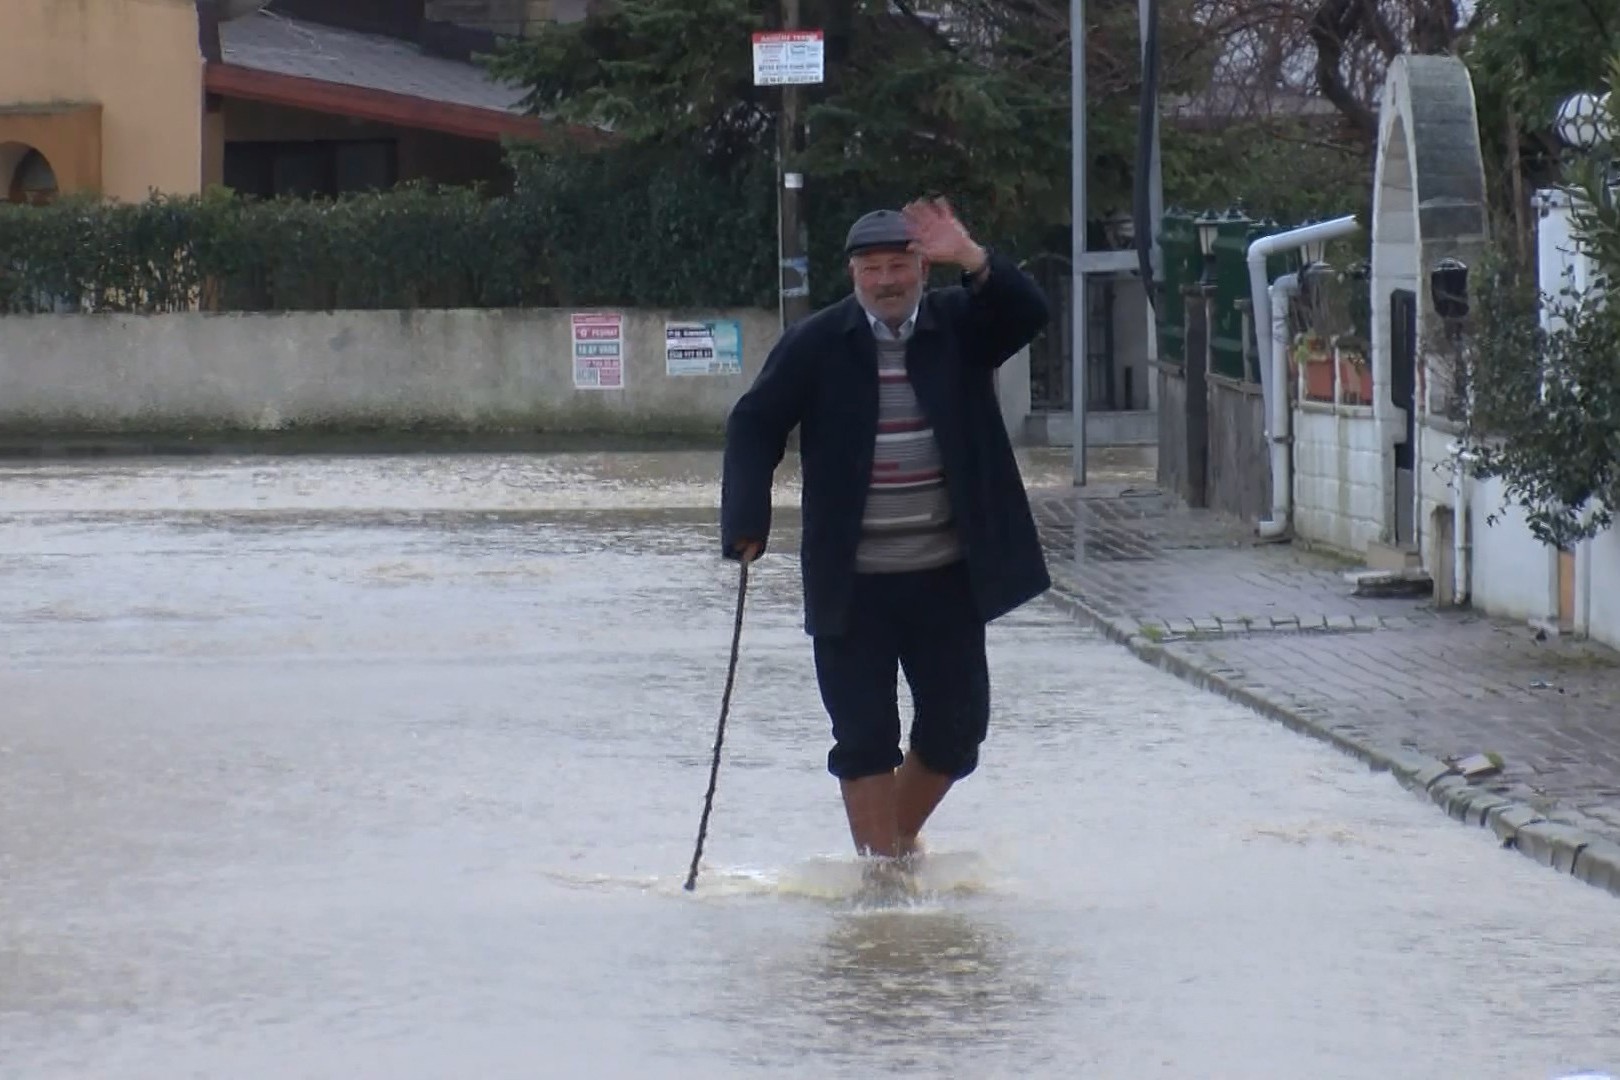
(389,766)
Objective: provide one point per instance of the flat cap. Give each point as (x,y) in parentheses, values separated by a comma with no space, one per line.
(879,229)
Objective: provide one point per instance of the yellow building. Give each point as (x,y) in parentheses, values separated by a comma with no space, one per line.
(125,97)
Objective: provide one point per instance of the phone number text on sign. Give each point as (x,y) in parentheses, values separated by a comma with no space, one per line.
(598,351)
(703,348)
(789,57)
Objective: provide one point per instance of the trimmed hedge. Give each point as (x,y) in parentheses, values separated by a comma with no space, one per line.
(582,230)
(631,226)
(412,247)
(648,229)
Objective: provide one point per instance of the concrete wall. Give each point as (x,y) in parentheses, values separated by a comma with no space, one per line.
(1432,481)
(1239,463)
(1172,429)
(1106,429)
(457,370)
(1339,488)
(1598,595)
(452,369)
(1513,575)
(137,59)
(1013,393)
(1133,331)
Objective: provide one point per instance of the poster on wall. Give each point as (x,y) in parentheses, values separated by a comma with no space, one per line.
(712,347)
(598,351)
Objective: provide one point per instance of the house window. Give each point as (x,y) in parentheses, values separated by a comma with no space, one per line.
(33,182)
(310,169)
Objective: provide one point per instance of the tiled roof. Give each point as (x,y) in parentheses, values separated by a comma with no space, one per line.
(275,43)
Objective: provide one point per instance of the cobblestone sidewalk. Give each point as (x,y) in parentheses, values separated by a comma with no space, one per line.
(1392,680)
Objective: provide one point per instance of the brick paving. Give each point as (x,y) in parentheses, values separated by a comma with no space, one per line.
(1283,624)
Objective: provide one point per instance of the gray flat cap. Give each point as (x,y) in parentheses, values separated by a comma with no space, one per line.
(879,229)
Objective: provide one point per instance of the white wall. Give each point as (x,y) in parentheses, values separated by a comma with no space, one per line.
(451,369)
(1433,482)
(1513,575)
(1598,602)
(1338,477)
(1013,393)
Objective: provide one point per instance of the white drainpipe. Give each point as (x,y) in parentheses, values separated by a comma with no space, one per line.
(1274,357)
(1462,552)
(1281,292)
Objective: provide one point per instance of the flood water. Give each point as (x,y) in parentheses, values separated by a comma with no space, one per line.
(391,766)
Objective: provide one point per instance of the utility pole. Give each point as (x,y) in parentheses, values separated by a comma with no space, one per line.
(1146,20)
(793,235)
(1079,214)
(1087,262)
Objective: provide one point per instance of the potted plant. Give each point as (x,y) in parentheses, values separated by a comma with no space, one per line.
(1312,353)
(1357,374)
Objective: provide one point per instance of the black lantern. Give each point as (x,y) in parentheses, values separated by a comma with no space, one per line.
(1209,230)
(1448,289)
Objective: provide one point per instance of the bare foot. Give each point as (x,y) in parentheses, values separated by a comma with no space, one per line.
(887,880)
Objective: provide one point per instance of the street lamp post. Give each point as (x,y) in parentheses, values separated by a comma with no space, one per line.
(1085,262)
(1079,214)
(1585,124)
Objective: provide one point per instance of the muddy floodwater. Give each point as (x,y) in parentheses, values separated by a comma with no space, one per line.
(391,766)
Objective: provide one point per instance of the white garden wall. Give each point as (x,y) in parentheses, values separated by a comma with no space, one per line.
(1338,476)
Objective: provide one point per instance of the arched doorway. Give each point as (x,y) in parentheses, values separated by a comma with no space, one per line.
(1428,205)
(33,181)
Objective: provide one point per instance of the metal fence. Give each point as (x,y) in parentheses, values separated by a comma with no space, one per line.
(1232,342)
(1050,371)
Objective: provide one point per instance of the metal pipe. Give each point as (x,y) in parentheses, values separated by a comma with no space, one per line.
(1275,391)
(794,271)
(1274,361)
(1462,548)
(1079,214)
(1146,19)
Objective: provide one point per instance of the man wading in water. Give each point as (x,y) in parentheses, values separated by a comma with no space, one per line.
(917,531)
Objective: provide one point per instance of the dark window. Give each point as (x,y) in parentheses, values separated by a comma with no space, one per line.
(307,169)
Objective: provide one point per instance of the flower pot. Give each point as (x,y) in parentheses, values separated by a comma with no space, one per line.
(1356,378)
(1319,379)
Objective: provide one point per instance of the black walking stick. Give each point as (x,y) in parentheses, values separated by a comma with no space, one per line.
(720,733)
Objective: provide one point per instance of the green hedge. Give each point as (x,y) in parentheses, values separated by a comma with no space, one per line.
(412,247)
(631,227)
(582,230)
(648,229)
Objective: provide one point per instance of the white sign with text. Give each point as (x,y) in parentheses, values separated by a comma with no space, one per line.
(789,57)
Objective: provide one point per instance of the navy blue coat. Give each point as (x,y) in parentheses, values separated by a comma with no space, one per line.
(822,378)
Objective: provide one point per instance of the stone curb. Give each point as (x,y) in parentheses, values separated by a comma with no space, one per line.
(1565,848)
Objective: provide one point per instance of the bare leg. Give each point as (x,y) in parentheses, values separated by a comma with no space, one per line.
(918,791)
(869,804)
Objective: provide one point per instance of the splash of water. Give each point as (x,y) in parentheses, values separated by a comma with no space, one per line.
(833,879)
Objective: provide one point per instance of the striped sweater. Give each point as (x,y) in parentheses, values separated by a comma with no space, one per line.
(908,524)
